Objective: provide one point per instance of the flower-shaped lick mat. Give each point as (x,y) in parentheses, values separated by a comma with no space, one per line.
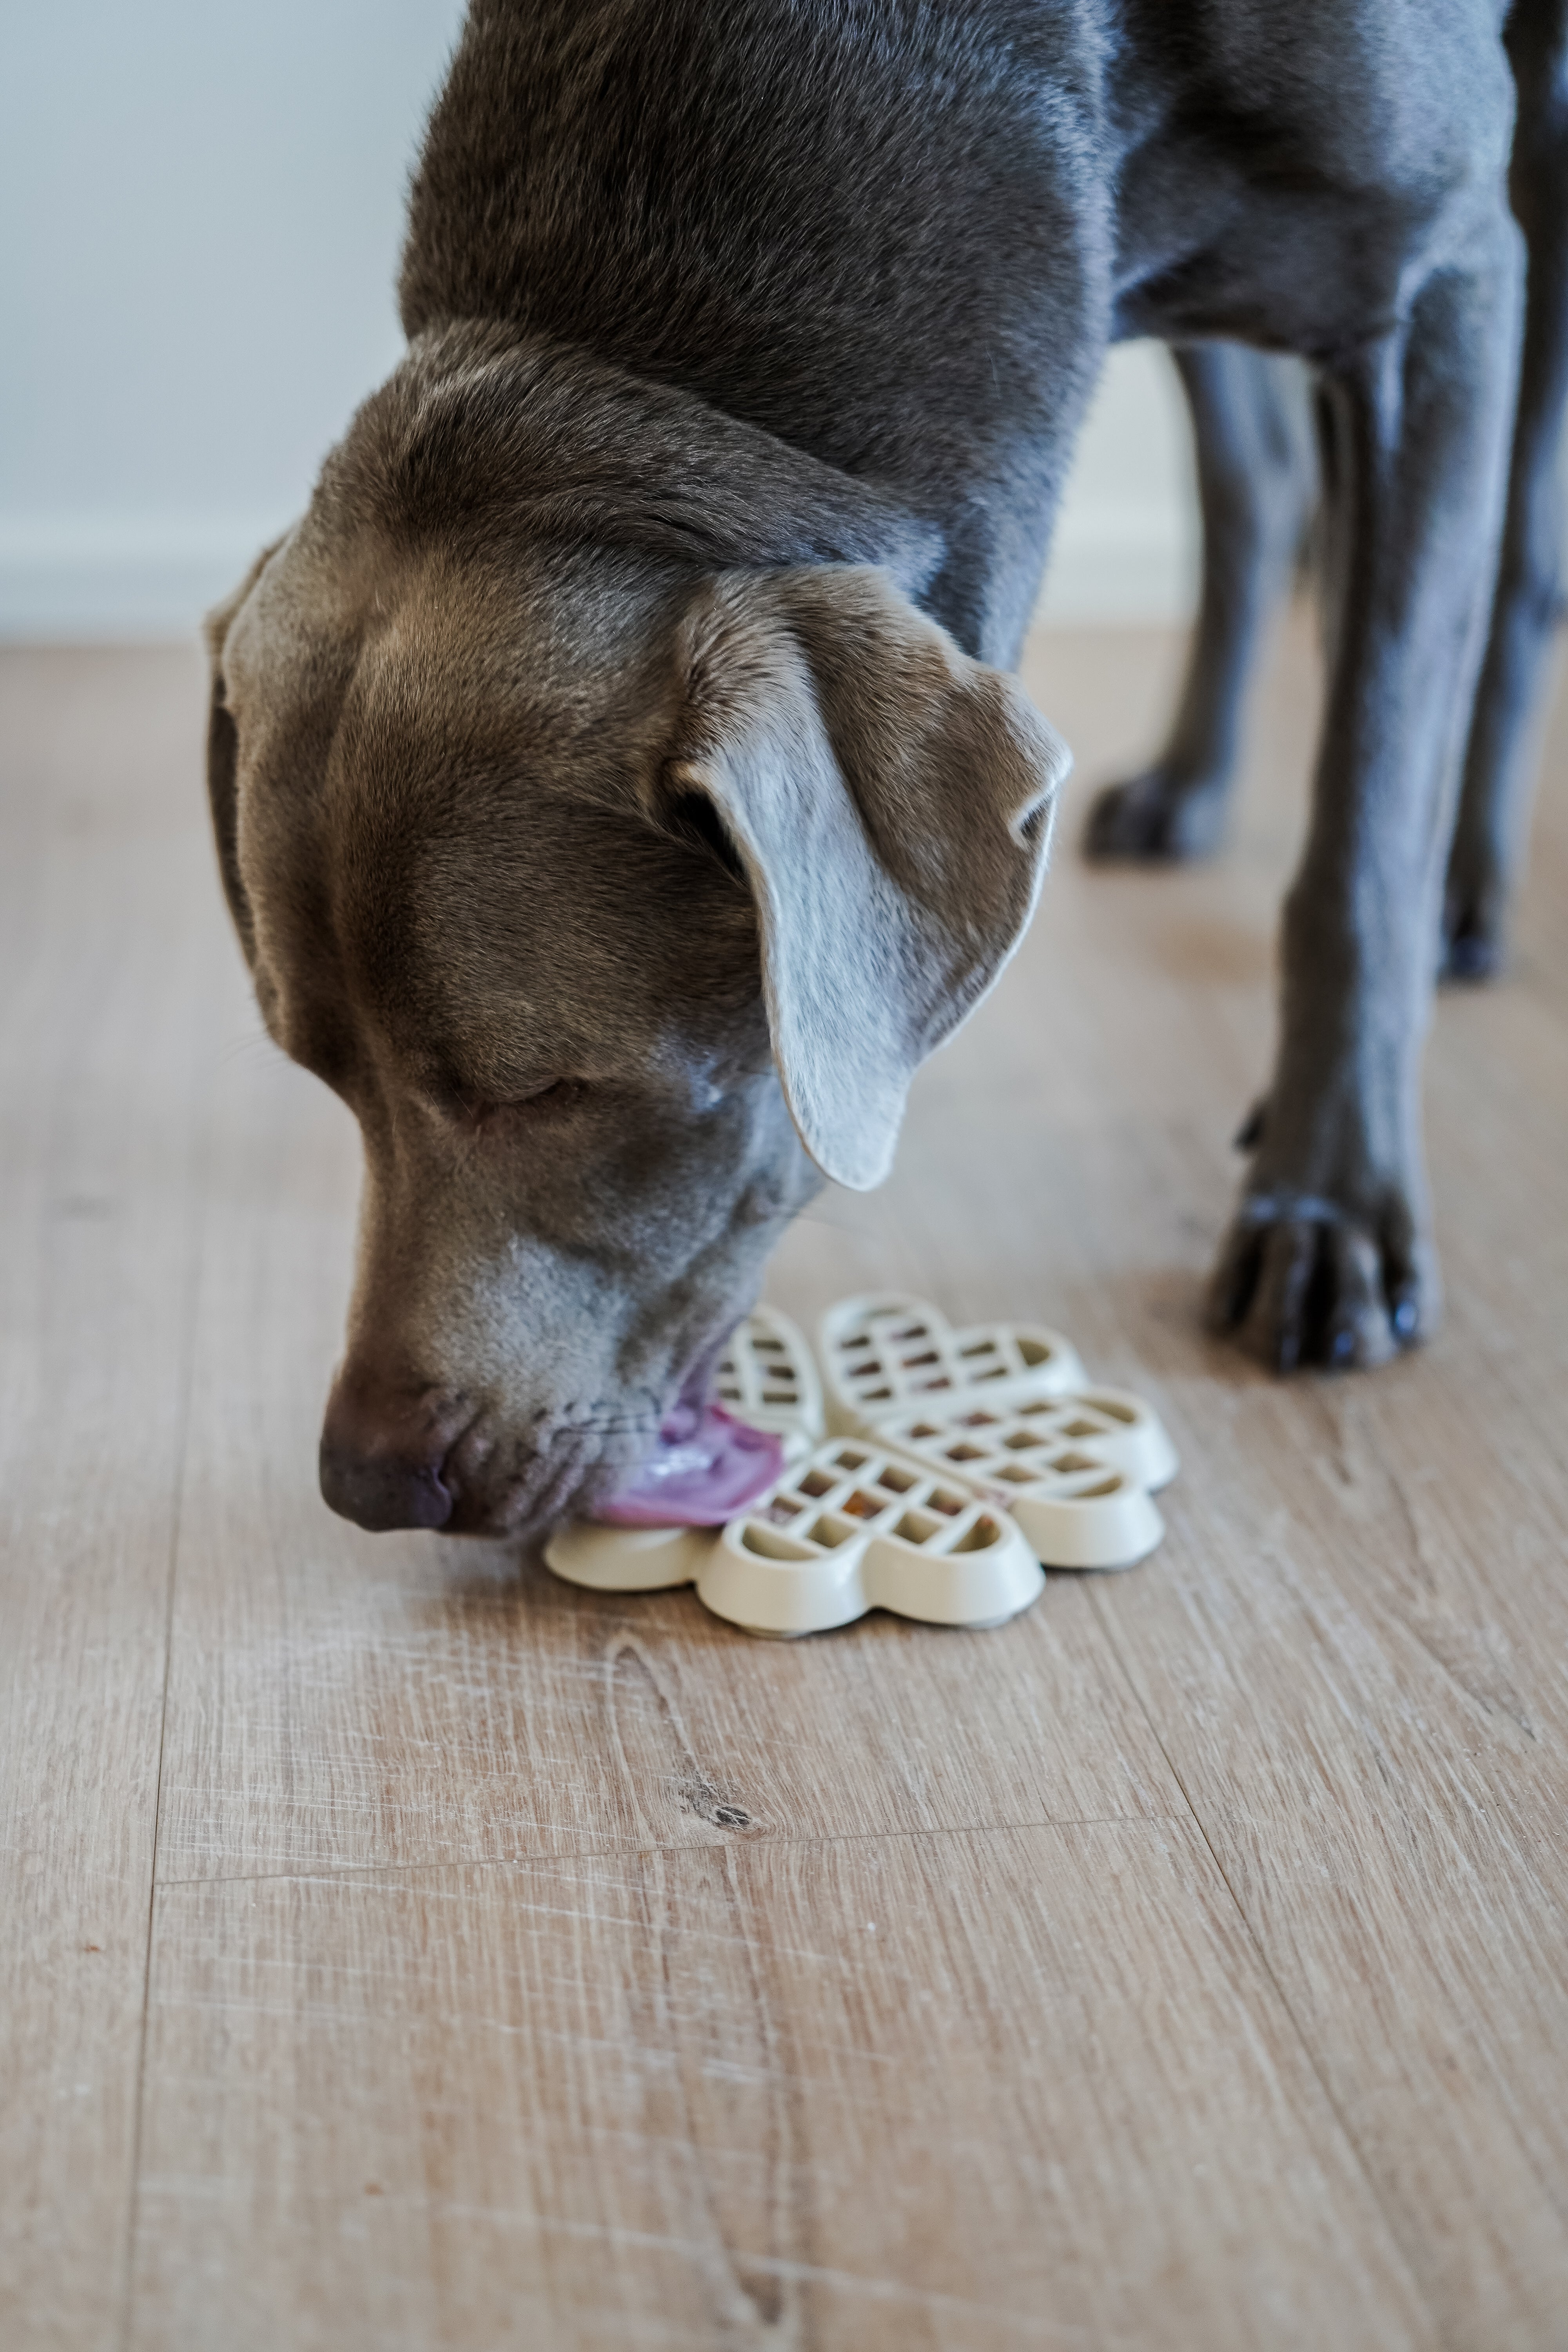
(941,1512)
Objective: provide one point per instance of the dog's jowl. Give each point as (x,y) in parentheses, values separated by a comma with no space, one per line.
(618,780)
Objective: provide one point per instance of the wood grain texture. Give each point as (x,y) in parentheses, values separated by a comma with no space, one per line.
(1356,1652)
(1182,1966)
(1017,2089)
(107,947)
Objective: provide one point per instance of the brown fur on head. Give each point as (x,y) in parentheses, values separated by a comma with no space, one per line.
(604,824)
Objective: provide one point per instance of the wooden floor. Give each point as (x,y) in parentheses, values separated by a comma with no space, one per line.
(381,1962)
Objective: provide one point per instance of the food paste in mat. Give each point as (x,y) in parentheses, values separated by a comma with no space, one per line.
(884,1354)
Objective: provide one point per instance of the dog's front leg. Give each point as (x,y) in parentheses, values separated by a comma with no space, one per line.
(1330,1259)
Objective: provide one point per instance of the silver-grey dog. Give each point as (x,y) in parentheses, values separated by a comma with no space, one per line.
(618,783)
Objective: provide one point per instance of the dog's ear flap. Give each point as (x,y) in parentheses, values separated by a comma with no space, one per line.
(889,800)
(223,756)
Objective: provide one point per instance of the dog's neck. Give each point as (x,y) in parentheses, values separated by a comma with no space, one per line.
(677,209)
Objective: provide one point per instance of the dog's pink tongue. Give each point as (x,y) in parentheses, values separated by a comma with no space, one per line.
(705,1467)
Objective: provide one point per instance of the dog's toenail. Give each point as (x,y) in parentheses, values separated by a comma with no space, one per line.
(1405,1318)
(1342,1345)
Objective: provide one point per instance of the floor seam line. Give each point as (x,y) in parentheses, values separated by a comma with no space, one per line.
(187,1393)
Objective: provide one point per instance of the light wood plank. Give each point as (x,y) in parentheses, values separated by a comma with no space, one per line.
(107,938)
(1020,2088)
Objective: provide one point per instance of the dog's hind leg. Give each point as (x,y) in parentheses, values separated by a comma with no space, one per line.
(1257,486)
(1330,1259)
(1499,764)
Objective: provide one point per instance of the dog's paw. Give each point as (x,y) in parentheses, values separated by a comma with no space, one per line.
(1303,1280)
(1155,819)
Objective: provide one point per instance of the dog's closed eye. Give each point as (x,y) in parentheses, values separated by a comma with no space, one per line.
(559,1095)
(544,1102)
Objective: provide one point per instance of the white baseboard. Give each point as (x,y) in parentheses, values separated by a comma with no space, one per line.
(1122,563)
(81,578)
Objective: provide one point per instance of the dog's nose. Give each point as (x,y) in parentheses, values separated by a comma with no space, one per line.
(381,1457)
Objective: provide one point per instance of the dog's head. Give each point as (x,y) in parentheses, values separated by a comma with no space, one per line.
(603,822)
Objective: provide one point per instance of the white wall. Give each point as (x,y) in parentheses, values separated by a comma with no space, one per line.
(1127,539)
(202,207)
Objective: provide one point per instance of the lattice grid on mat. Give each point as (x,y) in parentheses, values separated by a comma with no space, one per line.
(757,1373)
(850,1490)
(1045,1444)
(895,1355)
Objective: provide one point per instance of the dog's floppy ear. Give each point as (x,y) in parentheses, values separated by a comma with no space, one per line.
(222,755)
(889,800)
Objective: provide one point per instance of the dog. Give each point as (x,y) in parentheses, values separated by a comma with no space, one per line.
(618,782)
(1260,485)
